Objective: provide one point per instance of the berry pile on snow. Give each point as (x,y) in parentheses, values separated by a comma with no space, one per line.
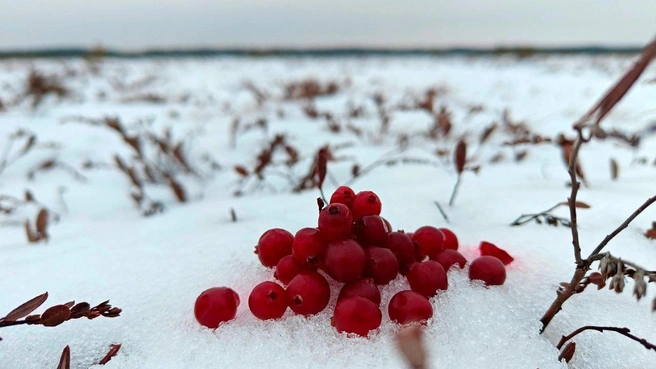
(355,248)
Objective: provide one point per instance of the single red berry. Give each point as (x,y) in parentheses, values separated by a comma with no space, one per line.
(308,293)
(356,315)
(343,195)
(335,221)
(273,245)
(308,246)
(268,301)
(427,278)
(429,241)
(401,245)
(450,239)
(382,265)
(408,307)
(288,268)
(487,248)
(362,287)
(488,269)
(449,257)
(215,306)
(366,203)
(344,261)
(372,230)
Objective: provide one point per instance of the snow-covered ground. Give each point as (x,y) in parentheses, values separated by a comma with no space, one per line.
(154,267)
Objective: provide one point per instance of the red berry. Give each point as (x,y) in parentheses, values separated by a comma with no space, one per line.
(382,265)
(429,241)
(268,301)
(345,260)
(402,247)
(356,315)
(366,203)
(427,277)
(343,195)
(335,221)
(491,250)
(308,293)
(273,245)
(408,307)
(288,268)
(488,269)
(215,306)
(362,287)
(308,246)
(372,230)
(449,257)
(450,239)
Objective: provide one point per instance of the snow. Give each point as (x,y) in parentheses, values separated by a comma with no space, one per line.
(154,267)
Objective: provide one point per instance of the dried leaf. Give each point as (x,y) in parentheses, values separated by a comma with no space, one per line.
(42,224)
(596,278)
(651,233)
(487,133)
(28,196)
(521,155)
(460,156)
(26,308)
(70,304)
(577,204)
(80,309)
(568,352)
(177,190)
(28,145)
(614,169)
(617,92)
(65,360)
(355,170)
(113,350)
(55,316)
(242,171)
(47,164)
(322,162)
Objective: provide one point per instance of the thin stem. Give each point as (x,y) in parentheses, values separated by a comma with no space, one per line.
(9,324)
(623,331)
(323,197)
(622,226)
(455,190)
(574,154)
(439,207)
(555,307)
(520,220)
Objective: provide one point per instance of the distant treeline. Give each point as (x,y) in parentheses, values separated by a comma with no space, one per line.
(336,52)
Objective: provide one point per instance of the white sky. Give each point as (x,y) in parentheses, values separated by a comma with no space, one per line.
(134,24)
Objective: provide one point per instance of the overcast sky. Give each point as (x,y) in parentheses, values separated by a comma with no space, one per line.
(135,24)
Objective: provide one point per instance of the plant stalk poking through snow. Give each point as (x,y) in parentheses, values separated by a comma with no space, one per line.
(459,159)
(611,267)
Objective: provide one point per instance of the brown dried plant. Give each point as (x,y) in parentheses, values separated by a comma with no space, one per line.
(610,267)
(57,314)
(157,159)
(39,85)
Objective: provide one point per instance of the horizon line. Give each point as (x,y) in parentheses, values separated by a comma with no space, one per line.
(525,50)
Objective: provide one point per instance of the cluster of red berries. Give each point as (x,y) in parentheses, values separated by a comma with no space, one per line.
(355,246)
